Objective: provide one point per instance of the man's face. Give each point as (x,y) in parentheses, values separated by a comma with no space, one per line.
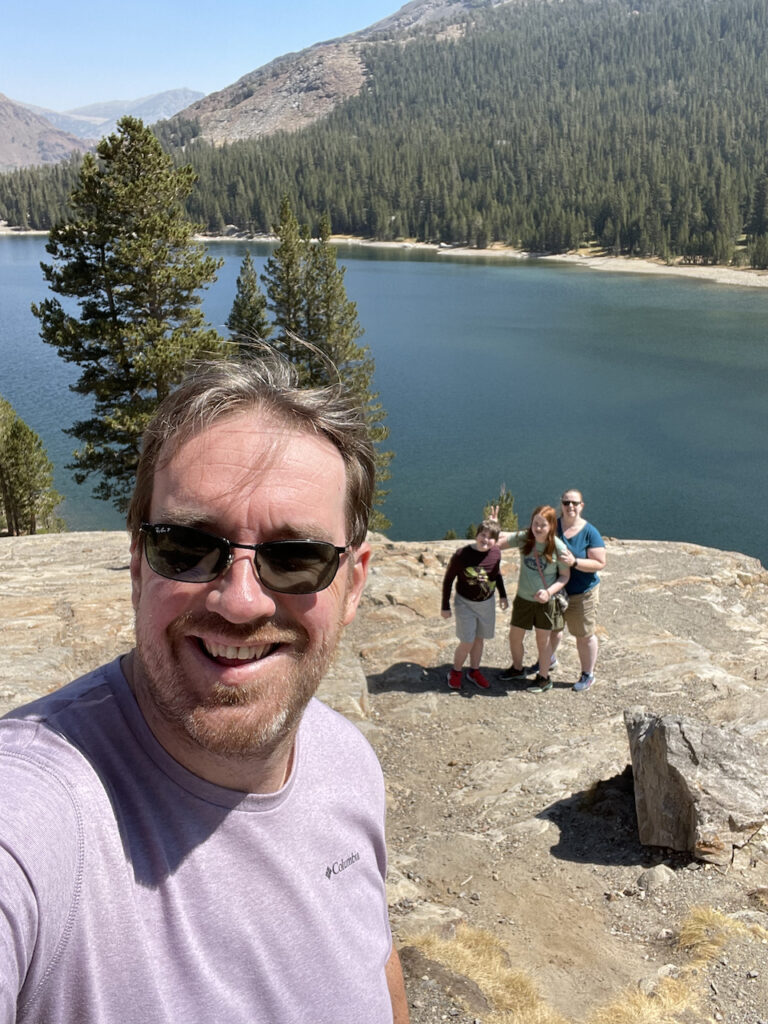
(229,666)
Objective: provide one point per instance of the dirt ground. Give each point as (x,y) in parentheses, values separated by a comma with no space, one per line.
(479,829)
(561,890)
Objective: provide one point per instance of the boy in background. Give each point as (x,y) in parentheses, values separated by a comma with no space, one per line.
(476,570)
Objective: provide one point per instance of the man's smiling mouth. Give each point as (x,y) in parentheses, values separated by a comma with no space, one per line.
(230,652)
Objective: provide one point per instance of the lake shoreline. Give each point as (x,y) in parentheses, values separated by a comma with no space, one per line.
(744,277)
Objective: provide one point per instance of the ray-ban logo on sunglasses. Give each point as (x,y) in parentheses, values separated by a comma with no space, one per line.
(189,555)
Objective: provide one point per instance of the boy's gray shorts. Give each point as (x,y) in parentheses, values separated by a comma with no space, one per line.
(474,618)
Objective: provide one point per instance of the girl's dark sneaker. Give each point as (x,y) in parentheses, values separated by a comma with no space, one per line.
(540,685)
(454,679)
(512,674)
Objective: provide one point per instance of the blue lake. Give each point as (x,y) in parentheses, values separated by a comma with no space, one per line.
(648,393)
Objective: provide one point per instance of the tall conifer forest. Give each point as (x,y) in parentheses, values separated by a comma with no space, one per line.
(638,125)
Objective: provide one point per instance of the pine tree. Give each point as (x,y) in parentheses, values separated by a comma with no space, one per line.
(331,325)
(317,326)
(27,497)
(283,278)
(248,321)
(129,259)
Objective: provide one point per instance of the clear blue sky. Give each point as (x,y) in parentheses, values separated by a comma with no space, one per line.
(61,55)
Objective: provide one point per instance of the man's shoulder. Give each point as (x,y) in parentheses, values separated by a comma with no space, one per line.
(93,687)
(49,735)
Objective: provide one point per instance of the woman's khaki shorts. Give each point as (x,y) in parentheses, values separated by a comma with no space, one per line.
(527,614)
(581,613)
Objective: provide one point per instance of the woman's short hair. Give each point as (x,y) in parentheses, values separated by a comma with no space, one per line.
(267,384)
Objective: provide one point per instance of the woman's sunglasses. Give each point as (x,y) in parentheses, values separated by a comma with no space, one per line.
(188,555)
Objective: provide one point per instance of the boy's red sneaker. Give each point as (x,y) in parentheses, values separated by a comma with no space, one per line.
(478,678)
(454,679)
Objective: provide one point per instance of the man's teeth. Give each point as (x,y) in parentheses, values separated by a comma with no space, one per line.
(236,653)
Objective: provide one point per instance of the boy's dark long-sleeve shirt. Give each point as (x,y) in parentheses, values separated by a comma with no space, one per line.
(477,575)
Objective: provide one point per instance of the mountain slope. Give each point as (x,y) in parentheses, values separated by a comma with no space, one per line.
(27,139)
(297,89)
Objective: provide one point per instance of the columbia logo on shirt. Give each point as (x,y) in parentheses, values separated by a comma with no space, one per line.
(341,865)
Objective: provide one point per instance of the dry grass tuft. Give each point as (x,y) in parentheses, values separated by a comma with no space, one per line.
(671,999)
(704,933)
(480,956)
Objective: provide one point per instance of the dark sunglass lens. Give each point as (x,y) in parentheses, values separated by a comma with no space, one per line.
(184,554)
(297,567)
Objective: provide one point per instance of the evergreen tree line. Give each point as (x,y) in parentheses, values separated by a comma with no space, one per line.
(641,125)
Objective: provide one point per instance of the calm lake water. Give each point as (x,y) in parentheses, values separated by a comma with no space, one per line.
(649,393)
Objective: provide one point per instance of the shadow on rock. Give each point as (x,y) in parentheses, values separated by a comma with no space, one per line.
(599,825)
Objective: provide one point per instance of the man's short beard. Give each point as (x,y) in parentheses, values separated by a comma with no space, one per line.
(235,722)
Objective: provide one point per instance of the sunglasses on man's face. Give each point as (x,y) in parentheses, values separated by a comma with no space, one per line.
(188,555)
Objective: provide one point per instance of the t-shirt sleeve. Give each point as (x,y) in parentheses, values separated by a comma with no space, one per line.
(40,838)
(593,538)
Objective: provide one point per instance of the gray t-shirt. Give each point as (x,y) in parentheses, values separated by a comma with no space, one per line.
(132,891)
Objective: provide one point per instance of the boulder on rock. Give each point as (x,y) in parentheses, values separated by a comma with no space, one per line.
(698,788)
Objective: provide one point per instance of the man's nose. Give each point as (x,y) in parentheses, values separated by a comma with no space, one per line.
(238,595)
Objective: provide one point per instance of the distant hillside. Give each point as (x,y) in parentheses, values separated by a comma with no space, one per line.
(639,126)
(297,89)
(27,139)
(150,109)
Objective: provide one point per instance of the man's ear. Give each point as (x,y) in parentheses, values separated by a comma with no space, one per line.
(137,549)
(356,581)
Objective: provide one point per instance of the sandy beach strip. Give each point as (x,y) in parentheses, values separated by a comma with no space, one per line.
(743,277)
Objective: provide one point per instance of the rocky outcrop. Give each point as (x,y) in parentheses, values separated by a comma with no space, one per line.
(698,788)
(509,811)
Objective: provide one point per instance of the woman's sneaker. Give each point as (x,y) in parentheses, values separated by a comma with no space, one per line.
(454,679)
(533,670)
(540,685)
(478,678)
(584,683)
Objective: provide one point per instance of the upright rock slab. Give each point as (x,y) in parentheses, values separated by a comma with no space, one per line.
(698,788)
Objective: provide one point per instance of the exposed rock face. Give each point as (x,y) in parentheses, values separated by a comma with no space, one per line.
(510,811)
(698,788)
(285,95)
